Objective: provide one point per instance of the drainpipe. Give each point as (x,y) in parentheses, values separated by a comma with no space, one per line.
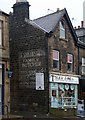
(79,95)
(78,60)
(47,69)
(47,36)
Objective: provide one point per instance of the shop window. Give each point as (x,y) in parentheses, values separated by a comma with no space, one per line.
(63,95)
(56,59)
(1,32)
(66,96)
(69,62)
(83,65)
(62,29)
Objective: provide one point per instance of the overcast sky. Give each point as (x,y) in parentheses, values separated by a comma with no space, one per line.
(40,8)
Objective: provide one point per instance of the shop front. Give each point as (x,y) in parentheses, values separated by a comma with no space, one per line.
(63,92)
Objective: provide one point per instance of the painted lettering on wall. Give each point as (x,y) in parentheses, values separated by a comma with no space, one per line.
(30,62)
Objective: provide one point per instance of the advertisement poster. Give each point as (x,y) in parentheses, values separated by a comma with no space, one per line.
(80,109)
(39,81)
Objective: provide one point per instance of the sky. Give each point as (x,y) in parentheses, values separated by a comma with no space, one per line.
(40,8)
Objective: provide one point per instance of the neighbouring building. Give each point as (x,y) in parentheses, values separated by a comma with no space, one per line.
(4,63)
(80,31)
(44,62)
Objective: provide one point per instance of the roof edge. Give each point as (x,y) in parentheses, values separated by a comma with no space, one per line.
(3,13)
(31,22)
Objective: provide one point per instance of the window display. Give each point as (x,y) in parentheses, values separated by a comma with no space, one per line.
(65,95)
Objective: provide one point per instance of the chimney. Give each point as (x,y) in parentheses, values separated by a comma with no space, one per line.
(82,24)
(58,9)
(21,9)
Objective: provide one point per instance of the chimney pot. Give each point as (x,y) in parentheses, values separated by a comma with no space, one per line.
(75,27)
(79,26)
(58,9)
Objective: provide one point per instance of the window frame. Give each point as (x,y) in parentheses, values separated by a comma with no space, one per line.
(70,62)
(1,33)
(83,65)
(57,60)
(62,29)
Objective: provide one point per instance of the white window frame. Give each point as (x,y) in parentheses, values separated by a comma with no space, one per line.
(56,59)
(70,62)
(62,30)
(83,65)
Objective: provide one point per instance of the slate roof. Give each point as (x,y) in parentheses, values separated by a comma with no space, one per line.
(49,22)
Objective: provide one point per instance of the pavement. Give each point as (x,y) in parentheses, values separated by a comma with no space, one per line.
(41,117)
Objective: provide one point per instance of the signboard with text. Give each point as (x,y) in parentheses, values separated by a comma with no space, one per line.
(39,81)
(64,79)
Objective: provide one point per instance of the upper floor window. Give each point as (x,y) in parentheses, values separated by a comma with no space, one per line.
(56,59)
(62,29)
(83,65)
(1,32)
(69,62)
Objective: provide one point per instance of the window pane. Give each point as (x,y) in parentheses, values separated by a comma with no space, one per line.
(55,64)
(83,69)
(62,30)
(66,95)
(55,59)
(69,67)
(55,55)
(69,58)
(69,62)
(83,61)
(62,34)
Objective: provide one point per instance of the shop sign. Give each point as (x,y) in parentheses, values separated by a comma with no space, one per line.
(39,81)
(63,79)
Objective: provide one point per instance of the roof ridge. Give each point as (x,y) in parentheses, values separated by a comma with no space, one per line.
(49,14)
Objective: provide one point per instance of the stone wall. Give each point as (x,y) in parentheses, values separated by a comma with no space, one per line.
(28,56)
(64,46)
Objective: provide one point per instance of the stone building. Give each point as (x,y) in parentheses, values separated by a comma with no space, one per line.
(44,62)
(4,63)
(80,31)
